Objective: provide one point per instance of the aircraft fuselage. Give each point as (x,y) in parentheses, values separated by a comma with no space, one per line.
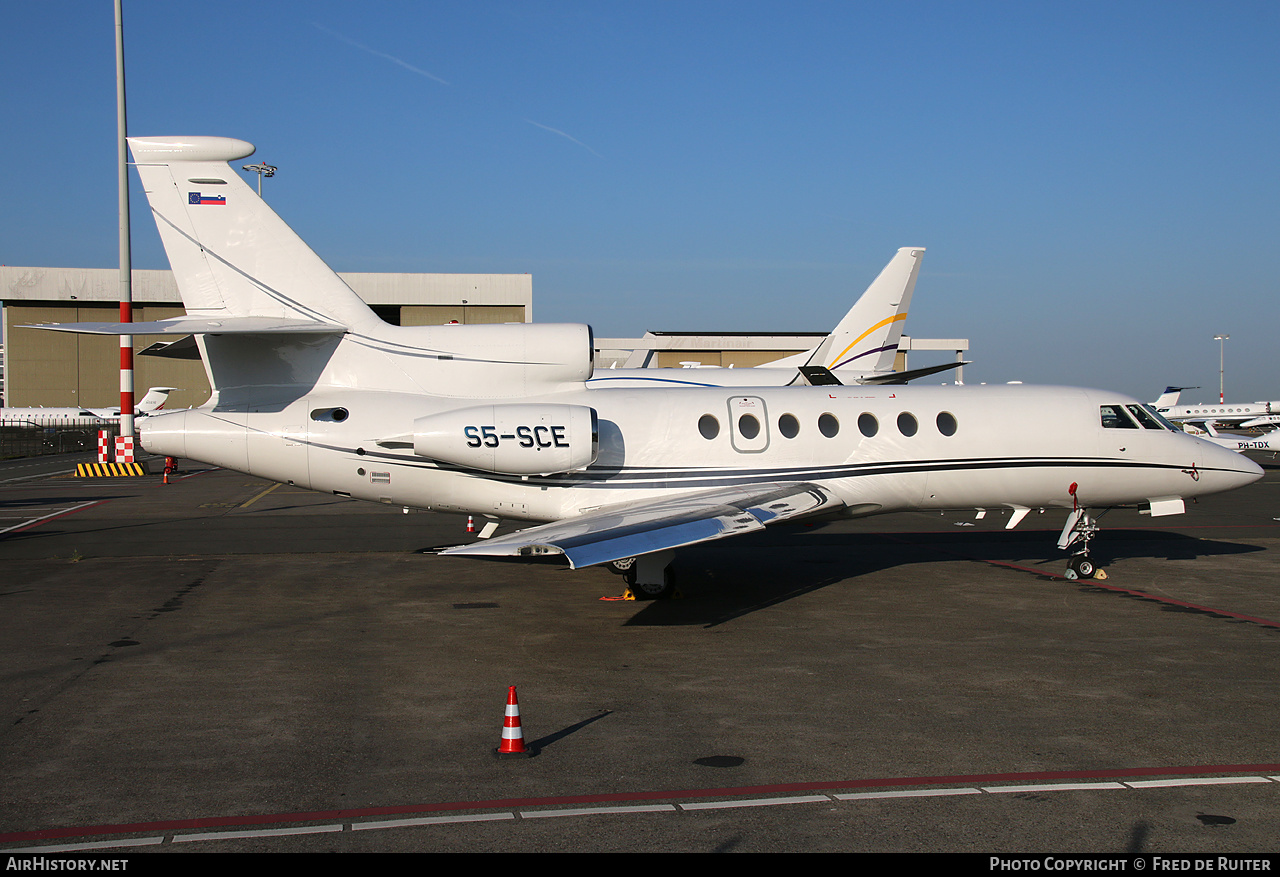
(878,449)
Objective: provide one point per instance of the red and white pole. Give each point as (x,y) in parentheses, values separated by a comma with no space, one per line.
(126,373)
(126,268)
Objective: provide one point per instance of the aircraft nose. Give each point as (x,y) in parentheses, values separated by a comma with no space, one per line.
(1225,469)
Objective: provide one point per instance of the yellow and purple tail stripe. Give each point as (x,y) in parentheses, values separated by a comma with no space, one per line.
(838,360)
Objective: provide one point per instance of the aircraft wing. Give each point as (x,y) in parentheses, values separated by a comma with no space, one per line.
(632,529)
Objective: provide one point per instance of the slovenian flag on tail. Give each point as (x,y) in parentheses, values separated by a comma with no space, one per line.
(197,198)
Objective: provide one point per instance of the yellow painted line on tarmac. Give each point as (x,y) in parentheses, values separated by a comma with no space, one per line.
(245,505)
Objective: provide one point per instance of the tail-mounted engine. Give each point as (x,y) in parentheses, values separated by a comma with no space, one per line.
(528,439)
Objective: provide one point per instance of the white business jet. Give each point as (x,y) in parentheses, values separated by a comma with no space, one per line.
(1268,440)
(861,349)
(1244,414)
(39,418)
(310,388)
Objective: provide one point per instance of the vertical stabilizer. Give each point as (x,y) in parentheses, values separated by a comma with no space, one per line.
(868,336)
(232,256)
(1170,397)
(155,399)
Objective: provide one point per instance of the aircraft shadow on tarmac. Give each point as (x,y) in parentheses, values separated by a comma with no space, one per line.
(722,581)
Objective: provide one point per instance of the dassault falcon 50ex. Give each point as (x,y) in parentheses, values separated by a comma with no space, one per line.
(311,388)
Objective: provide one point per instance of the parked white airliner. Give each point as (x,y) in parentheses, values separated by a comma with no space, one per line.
(312,389)
(83,417)
(862,349)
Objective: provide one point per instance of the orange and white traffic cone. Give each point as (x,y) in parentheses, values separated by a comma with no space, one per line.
(471,524)
(512,734)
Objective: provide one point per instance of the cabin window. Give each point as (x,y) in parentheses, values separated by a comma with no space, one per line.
(867,424)
(708,426)
(907,424)
(789,426)
(828,425)
(748,426)
(947,423)
(1113,417)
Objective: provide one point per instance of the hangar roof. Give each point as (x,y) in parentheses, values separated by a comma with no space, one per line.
(158,287)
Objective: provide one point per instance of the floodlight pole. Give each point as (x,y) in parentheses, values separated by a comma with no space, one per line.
(1222,355)
(262,170)
(126,268)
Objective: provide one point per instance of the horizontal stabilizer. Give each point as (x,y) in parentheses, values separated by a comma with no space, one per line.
(202,326)
(632,529)
(909,375)
(183,348)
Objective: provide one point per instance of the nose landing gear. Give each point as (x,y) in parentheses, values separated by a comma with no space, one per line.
(1079,531)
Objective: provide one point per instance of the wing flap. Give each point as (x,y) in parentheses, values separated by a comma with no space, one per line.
(632,529)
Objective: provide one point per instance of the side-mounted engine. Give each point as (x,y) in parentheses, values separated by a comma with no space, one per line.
(521,439)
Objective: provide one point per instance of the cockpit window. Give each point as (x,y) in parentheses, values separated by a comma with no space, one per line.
(1161,418)
(1113,417)
(1144,417)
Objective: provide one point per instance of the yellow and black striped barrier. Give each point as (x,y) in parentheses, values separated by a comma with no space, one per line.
(88,470)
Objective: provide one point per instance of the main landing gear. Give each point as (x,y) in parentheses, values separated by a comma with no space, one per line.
(1079,531)
(648,576)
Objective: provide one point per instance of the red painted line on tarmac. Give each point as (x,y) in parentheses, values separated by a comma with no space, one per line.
(1180,603)
(1097,583)
(1168,601)
(504,803)
(40,521)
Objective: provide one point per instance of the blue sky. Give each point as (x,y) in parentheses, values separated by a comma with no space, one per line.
(1096,183)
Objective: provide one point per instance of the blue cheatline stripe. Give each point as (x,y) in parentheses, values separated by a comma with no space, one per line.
(631,477)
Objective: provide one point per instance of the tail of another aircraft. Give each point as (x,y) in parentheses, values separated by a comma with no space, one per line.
(155,399)
(1170,397)
(867,338)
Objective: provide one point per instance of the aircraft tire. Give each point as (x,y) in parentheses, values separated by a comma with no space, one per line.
(651,591)
(622,567)
(1083,567)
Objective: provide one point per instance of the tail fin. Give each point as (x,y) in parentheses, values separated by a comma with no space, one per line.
(1170,397)
(155,399)
(232,256)
(868,336)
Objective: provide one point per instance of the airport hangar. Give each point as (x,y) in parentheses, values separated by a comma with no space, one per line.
(65,370)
